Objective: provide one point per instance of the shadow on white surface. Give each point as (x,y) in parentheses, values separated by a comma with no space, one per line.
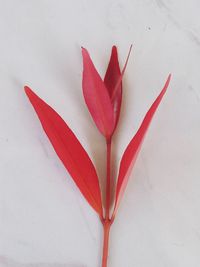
(7,262)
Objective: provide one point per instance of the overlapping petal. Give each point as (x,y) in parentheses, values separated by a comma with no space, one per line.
(111,78)
(97,97)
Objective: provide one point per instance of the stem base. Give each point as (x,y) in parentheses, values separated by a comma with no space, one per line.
(106,228)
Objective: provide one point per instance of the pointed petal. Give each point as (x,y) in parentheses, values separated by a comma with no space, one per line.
(117,86)
(131,152)
(97,97)
(69,150)
(111,78)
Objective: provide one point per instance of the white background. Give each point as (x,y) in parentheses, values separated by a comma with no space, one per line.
(44,221)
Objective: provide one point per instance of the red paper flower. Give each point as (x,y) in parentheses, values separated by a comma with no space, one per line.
(103,98)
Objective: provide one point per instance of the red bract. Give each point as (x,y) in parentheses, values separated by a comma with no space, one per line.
(111,78)
(131,152)
(69,150)
(97,97)
(103,99)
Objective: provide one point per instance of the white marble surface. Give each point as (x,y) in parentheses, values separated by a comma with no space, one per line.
(44,221)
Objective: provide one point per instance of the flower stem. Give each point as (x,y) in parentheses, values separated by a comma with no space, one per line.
(107,222)
(106,228)
(108,180)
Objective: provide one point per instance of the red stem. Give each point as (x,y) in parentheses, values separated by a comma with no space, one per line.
(106,228)
(107,222)
(108,180)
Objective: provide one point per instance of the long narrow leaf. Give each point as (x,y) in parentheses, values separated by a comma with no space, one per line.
(131,152)
(111,78)
(117,86)
(69,150)
(97,97)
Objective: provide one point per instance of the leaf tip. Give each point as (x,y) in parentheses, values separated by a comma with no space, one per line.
(84,50)
(114,48)
(167,82)
(27,90)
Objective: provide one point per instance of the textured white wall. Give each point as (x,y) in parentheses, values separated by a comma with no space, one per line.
(44,221)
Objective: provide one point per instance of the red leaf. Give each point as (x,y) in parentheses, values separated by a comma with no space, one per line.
(131,152)
(97,97)
(69,150)
(117,86)
(112,76)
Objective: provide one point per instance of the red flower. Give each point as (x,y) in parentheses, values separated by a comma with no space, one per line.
(103,99)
